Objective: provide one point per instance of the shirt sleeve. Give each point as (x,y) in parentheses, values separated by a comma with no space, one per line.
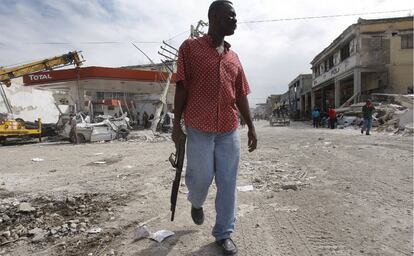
(242,86)
(182,63)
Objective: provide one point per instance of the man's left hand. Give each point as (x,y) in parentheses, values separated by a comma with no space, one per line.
(252,139)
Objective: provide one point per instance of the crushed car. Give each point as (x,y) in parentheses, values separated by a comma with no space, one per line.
(104,128)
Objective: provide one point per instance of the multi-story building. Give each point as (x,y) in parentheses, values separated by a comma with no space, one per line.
(369,56)
(300,96)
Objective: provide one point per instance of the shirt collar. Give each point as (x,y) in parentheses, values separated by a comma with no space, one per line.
(209,40)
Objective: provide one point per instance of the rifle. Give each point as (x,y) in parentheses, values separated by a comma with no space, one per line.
(177,161)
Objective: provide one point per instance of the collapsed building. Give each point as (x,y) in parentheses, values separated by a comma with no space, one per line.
(106,91)
(371,56)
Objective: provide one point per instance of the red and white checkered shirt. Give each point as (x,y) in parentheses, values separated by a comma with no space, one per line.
(213,82)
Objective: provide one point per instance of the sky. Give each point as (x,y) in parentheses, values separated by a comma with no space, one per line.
(272,53)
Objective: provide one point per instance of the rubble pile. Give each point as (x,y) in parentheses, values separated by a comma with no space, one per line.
(148,136)
(274,176)
(393,117)
(45,219)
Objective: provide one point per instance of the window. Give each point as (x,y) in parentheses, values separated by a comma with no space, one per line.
(345,52)
(100,95)
(407,41)
(331,61)
(375,43)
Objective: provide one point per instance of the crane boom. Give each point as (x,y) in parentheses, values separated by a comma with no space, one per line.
(6,74)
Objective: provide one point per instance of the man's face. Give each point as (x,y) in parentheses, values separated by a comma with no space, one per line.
(227,21)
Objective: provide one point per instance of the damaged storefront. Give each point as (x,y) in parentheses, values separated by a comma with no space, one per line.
(106,95)
(371,56)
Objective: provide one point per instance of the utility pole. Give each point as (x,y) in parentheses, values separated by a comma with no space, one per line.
(170,55)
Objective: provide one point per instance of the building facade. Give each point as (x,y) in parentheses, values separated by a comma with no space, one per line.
(369,56)
(300,96)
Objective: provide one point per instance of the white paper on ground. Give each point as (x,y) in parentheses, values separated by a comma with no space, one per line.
(245,188)
(160,235)
(36,159)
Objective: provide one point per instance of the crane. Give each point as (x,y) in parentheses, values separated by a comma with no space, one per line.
(10,127)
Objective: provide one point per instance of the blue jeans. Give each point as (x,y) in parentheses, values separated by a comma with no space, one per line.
(214,155)
(367,124)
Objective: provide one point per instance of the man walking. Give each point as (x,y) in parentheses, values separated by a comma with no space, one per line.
(367,111)
(211,87)
(332,117)
(315,117)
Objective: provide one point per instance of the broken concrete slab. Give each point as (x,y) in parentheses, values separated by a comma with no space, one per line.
(25,208)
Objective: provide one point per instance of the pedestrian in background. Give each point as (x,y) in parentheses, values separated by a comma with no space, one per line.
(315,117)
(367,111)
(145,120)
(211,86)
(73,134)
(332,117)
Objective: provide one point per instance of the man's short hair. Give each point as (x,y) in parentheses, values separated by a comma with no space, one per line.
(216,5)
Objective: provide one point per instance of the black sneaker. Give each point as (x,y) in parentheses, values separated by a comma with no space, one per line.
(228,246)
(197,215)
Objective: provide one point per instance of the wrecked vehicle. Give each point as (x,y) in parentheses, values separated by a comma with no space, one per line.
(105,128)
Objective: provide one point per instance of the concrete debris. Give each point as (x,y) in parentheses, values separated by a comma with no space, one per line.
(25,208)
(38,234)
(6,234)
(275,176)
(393,116)
(148,136)
(46,219)
(95,230)
(141,232)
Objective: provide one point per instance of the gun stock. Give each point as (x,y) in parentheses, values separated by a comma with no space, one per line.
(177,161)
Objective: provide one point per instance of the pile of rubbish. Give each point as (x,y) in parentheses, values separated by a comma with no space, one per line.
(45,219)
(148,136)
(274,176)
(393,114)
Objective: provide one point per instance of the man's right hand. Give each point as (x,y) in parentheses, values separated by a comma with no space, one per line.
(177,133)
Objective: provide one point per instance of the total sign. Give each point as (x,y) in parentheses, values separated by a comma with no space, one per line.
(39,77)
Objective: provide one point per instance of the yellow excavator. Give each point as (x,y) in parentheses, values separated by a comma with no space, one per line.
(17,128)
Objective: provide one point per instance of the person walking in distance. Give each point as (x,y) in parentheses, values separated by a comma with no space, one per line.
(315,118)
(211,86)
(332,117)
(367,111)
